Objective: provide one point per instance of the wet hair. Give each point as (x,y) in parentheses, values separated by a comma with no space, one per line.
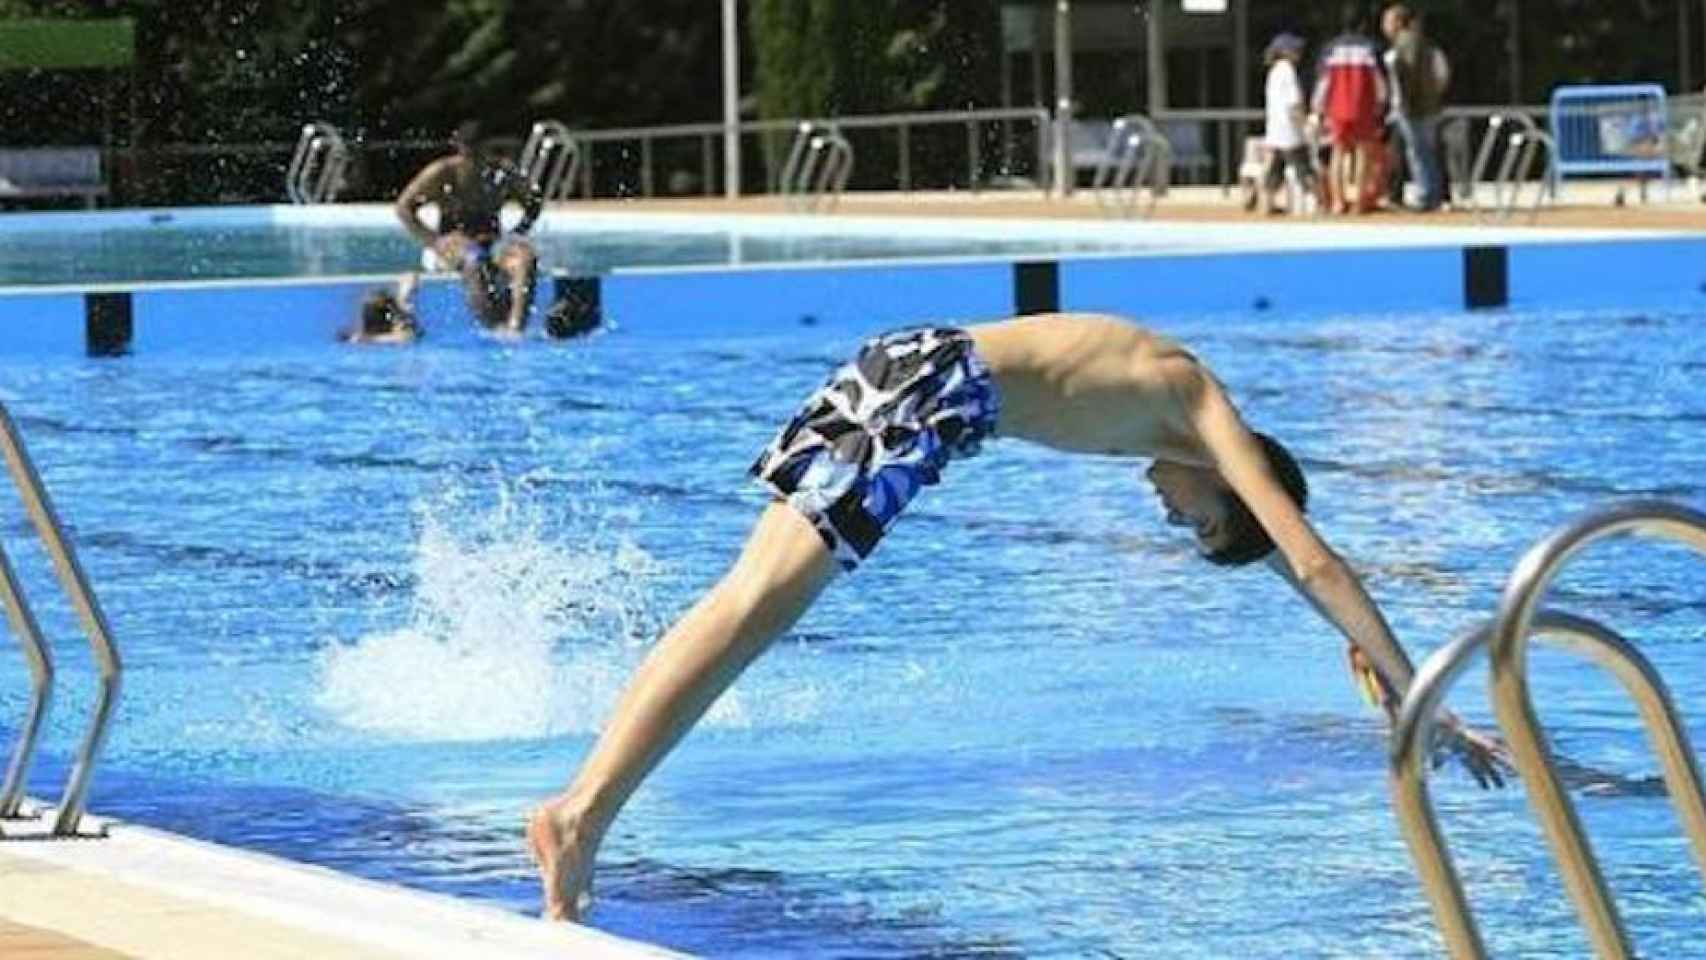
(380,314)
(1249,541)
(572,316)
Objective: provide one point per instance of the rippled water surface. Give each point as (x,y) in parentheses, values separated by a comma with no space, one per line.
(375,602)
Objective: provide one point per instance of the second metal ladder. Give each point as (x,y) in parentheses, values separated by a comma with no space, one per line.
(1138,157)
(817,169)
(1506,635)
(317,168)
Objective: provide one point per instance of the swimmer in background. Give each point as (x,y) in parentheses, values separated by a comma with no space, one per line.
(885,426)
(470,188)
(387,317)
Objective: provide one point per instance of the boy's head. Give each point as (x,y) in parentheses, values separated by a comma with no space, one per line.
(465,139)
(380,314)
(383,318)
(1353,18)
(1396,19)
(1287,45)
(1227,532)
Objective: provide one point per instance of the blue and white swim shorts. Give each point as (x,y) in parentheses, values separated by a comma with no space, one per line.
(880,429)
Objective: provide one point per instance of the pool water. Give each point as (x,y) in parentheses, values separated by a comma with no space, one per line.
(374,602)
(165,253)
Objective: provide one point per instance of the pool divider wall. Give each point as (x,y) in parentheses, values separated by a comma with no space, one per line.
(1486,277)
(862,297)
(1630,273)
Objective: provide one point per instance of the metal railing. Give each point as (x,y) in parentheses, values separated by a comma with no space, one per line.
(551,159)
(316,171)
(1612,128)
(1506,637)
(818,167)
(594,143)
(1516,139)
(76,585)
(1004,156)
(1687,131)
(1227,127)
(1138,157)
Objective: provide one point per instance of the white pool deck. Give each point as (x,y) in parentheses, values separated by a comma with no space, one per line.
(143,893)
(1190,219)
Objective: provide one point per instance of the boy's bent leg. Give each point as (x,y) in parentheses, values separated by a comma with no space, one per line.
(521,264)
(783,567)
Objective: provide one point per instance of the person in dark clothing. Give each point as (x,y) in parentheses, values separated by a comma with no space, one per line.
(470,188)
(1419,76)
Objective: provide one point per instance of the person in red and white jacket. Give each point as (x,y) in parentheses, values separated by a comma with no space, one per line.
(1350,97)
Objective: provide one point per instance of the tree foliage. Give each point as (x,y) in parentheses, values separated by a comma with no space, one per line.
(246,71)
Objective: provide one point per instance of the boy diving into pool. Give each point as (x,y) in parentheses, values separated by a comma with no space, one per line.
(886,425)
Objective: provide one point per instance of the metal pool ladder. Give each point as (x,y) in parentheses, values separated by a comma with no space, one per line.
(76,585)
(551,159)
(817,170)
(1138,157)
(316,171)
(1521,140)
(1506,635)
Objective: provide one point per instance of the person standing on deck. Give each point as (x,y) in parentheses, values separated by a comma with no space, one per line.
(1420,75)
(1349,91)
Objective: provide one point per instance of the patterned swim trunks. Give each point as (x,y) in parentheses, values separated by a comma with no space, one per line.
(880,429)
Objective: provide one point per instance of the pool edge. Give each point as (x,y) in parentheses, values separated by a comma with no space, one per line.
(147,893)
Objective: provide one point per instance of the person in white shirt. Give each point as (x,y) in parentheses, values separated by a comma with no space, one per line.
(1287,146)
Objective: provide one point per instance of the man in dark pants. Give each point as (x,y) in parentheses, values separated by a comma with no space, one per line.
(1419,76)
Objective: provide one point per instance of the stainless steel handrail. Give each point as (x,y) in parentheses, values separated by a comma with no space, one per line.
(1516,160)
(1515,706)
(76,585)
(902,123)
(316,170)
(551,159)
(1138,156)
(36,651)
(1506,636)
(1414,734)
(818,167)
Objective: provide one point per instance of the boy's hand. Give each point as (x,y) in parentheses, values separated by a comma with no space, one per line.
(1485,757)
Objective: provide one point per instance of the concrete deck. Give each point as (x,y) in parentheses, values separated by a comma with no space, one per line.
(146,894)
(1582,204)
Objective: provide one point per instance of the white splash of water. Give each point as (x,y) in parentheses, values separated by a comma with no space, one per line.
(514,631)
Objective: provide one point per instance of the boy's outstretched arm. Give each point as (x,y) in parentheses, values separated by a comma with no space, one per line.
(1317,573)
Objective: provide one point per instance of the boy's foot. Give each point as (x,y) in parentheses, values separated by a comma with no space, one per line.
(559,845)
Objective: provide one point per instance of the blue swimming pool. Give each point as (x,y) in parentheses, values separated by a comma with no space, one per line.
(374,602)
